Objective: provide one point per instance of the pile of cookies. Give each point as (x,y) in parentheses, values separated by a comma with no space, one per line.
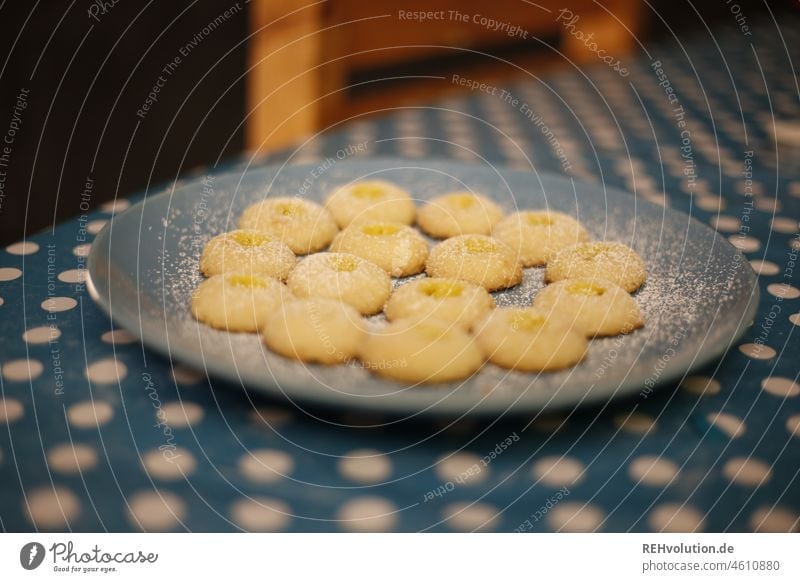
(441,327)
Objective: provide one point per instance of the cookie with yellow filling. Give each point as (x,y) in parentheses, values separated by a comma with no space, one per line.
(530,340)
(306,227)
(475,258)
(370,201)
(613,261)
(315,330)
(458,213)
(458,302)
(538,235)
(396,248)
(343,277)
(236,302)
(597,306)
(247,251)
(421,351)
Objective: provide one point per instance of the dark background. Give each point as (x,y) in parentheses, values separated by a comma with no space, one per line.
(87,79)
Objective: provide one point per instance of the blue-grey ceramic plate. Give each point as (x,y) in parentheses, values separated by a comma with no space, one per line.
(700,296)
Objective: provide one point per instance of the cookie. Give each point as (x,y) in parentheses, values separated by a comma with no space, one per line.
(236,302)
(537,235)
(458,302)
(414,351)
(343,277)
(247,252)
(306,227)
(530,340)
(458,213)
(315,330)
(370,201)
(475,258)
(396,248)
(598,307)
(598,260)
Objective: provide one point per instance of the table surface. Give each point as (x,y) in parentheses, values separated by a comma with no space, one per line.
(97,433)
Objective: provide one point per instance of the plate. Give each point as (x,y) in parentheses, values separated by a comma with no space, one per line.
(700,296)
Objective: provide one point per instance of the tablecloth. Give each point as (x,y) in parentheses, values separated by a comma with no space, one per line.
(97,433)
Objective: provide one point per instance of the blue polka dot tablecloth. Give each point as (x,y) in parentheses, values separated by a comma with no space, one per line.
(99,434)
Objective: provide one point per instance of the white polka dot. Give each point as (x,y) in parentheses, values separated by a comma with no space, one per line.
(575,517)
(9,273)
(701,385)
(783,291)
(106,371)
(260,514)
(793,425)
(42,335)
(774,520)
(784,225)
(746,244)
(71,458)
(73,276)
(710,203)
(558,471)
(676,518)
(782,387)
(2,301)
(56,304)
(23,248)
(169,464)
(118,336)
(636,422)
(265,465)
(367,514)
(271,416)
(117,205)
(470,517)
(52,508)
(795,318)
(10,410)
(726,223)
(22,370)
(757,351)
(181,414)
(727,423)
(184,375)
(652,470)
(747,471)
(95,226)
(153,511)
(82,250)
(90,414)
(765,267)
(463,468)
(365,466)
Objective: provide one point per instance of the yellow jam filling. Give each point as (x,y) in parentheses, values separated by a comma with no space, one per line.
(343,263)
(526,321)
(248,281)
(479,245)
(380,229)
(462,200)
(539,219)
(588,289)
(441,290)
(368,191)
(289,209)
(249,238)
